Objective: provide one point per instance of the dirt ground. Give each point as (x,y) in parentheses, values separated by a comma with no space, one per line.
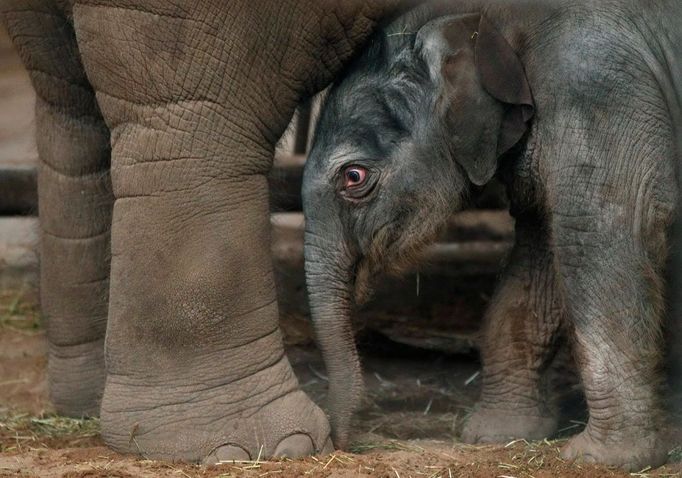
(408,427)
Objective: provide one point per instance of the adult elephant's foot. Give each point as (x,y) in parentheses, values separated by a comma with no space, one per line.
(296,428)
(630,453)
(501,425)
(76,378)
(263,415)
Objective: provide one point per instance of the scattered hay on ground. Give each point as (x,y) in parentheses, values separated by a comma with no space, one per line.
(19,311)
(20,432)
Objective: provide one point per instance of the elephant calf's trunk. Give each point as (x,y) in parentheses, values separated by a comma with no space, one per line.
(329,288)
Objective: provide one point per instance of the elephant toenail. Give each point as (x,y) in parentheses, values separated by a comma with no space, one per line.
(567,455)
(295,446)
(227,453)
(328,447)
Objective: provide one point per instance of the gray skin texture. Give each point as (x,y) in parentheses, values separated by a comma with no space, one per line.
(156,129)
(592,183)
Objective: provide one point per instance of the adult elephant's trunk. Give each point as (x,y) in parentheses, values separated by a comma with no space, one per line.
(330,279)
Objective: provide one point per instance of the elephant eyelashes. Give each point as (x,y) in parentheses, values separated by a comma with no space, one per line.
(356,182)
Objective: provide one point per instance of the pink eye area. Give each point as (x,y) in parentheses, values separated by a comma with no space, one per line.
(354,176)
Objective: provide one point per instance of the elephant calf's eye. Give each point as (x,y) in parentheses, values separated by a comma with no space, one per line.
(354,177)
(356,182)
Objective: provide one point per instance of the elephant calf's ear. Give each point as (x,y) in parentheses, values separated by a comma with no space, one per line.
(484,97)
(502,76)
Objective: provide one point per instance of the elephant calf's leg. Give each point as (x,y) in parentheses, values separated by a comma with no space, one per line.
(614,296)
(520,331)
(75,204)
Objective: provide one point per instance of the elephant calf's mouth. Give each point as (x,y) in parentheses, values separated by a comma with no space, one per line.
(393,251)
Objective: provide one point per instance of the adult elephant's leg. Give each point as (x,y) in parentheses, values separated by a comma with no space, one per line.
(75,204)
(613,206)
(196,365)
(519,340)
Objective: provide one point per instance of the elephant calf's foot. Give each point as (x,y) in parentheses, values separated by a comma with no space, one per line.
(631,454)
(76,377)
(502,425)
(261,416)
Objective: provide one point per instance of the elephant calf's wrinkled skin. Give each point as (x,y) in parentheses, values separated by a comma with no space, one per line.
(157,121)
(575,106)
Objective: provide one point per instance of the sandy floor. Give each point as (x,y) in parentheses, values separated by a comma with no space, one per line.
(413,413)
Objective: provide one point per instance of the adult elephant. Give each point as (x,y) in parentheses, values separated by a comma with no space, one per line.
(156,124)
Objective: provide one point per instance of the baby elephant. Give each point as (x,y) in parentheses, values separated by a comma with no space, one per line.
(576,107)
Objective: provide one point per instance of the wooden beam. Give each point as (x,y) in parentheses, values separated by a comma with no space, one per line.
(485,239)
(18,192)
(303,127)
(438,306)
(286,180)
(19,195)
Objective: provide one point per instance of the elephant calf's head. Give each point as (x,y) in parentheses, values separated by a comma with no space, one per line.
(422,114)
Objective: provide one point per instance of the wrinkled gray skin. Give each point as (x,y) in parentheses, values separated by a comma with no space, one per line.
(157,121)
(593,188)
